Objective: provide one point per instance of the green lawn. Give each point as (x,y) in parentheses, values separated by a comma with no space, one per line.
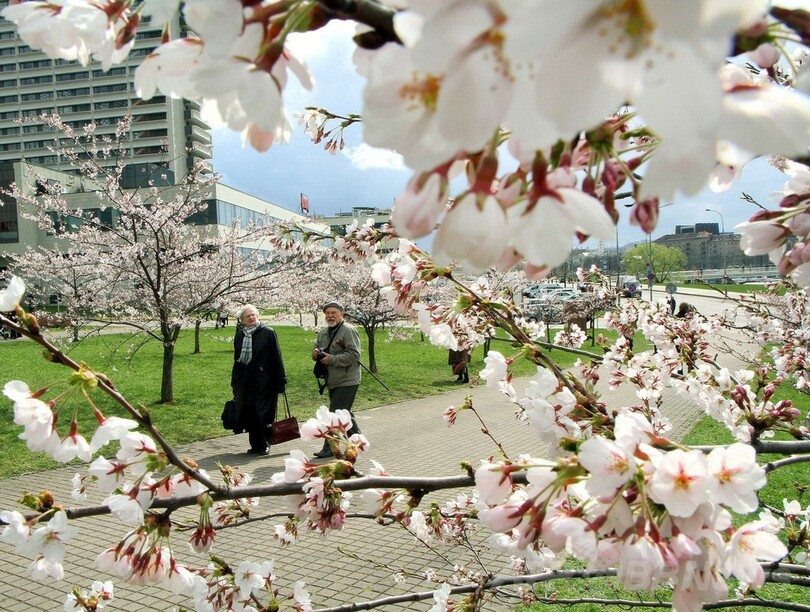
(409,368)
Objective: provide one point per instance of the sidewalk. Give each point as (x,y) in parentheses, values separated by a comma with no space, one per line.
(355,565)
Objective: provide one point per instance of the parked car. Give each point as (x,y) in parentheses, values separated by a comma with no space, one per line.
(562,295)
(540,289)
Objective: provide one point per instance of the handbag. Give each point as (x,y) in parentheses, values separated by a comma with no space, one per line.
(285,429)
(229,415)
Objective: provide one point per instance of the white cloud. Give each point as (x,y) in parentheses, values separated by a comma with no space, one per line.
(364,157)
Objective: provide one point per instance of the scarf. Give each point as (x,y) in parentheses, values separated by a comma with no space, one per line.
(247,343)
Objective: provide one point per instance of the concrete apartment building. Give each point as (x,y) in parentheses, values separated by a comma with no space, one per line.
(167,136)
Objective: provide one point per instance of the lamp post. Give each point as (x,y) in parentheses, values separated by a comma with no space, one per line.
(722,238)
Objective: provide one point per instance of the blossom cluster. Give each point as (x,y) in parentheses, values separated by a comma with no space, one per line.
(627,105)
(658,515)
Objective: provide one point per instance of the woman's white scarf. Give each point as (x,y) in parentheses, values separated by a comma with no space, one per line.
(247,343)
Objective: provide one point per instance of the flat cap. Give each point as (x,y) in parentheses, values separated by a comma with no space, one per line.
(337,305)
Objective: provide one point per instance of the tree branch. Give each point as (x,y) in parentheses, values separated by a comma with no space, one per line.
(373,14)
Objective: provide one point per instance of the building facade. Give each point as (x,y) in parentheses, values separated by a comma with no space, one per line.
(224,206)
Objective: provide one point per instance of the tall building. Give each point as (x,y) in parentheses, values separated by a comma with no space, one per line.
(166,133)
(32,84)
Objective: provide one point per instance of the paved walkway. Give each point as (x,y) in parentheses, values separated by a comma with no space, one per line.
(357,564)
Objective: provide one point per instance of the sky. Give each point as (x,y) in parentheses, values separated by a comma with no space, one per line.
(361,176)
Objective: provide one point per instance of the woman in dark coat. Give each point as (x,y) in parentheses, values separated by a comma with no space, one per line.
(458,361)
(257,378)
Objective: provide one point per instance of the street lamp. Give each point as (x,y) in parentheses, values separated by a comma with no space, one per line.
(722,239)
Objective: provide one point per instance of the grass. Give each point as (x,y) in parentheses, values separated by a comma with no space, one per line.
(409,368)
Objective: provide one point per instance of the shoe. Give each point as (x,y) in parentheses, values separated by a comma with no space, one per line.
(324,453)
(258,451)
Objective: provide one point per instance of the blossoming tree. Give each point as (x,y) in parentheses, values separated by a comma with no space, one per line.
(151,268)
(652,97)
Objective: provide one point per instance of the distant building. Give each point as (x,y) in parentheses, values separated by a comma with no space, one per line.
(338,222)
(361,214)
(708,249)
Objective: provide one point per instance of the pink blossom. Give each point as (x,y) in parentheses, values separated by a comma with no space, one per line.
(112,428)
(110,475)
(473,233)
(680,482)
(16,529)
(609,465)
(496,368)
(493,483)
(417,209)
(737,476)
(73,445)
(749,545)
(641,564)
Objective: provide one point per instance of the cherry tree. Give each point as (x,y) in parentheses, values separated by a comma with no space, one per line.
(152,269)
(653,98)
(74,283)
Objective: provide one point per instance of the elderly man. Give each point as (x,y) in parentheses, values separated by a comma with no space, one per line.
(338,348)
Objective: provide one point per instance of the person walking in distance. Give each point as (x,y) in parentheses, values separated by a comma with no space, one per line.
(257,377)
(338,348)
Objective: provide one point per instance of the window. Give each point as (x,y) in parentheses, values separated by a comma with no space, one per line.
(35,112)
(110,104)
(42,95)
(141,52)
(42,159)
(8,68)
(72,76)
(6,35)
(70,93)
(11,146)
(8,99)
(35,64)
(30,129)
(110,88)
(111,72)
(149,134)
(149,117)
(8,51)
(36,80)
(8,83)
(24,49)
(10,114)
(9,131)
(73,108)
(154,100)
(148,34)
(37,144)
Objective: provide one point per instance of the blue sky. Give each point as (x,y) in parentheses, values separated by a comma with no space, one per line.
(362,176)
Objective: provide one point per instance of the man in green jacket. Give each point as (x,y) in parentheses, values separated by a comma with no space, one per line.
(338,348)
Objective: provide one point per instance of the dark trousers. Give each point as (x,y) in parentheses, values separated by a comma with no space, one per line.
(342,398)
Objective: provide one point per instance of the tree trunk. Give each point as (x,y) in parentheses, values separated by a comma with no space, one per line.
(372,355)
(75,327)
(167,380)
(197,336)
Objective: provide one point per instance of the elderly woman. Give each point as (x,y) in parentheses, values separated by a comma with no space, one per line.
(257,377)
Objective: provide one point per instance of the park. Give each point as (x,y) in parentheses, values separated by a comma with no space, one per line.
(603,447)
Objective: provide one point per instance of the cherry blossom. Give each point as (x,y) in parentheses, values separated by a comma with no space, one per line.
(10,296)
(737,476)
(610,465)
(749,545)
(680,482)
